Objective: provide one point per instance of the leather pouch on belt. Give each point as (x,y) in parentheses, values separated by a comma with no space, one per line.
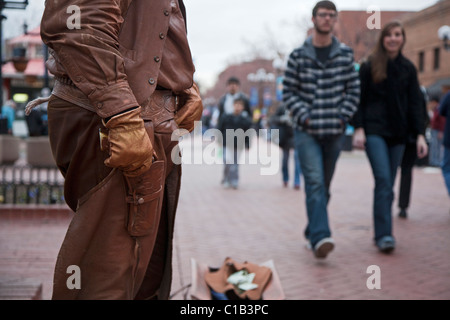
(144,200)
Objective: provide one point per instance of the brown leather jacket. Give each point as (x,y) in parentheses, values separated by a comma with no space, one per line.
(119,53)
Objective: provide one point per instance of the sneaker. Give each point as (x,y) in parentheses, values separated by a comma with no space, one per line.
(323,248)
(386,244)
(403,214)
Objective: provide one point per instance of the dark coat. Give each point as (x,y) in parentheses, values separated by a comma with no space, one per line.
(242,96)
(444,110)
(284,125)
(392,108)
(234,122)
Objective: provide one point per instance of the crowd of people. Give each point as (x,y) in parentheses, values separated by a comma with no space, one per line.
(36,121)
(381,99)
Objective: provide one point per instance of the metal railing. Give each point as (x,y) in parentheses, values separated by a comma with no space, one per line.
(25,184)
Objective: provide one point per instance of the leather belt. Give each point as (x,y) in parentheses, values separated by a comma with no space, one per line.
(161,107)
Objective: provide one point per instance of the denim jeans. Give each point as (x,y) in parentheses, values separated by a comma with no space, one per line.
(436,149)
(446,168)
(406,175)
(285,166)
(231,167)
(384,160)
(317,160)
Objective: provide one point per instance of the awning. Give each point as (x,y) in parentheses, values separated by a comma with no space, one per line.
(32,37)
(35,67)
(435,90)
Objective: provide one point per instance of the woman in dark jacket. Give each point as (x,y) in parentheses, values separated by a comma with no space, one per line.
(282,121)
(389,109)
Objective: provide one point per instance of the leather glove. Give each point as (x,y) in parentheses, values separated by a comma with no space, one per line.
(190,108)
(130,148)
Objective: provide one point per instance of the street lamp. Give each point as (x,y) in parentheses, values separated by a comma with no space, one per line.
(260,77)
(19,4)
(444,35)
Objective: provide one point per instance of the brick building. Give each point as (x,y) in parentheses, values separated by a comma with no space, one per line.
(423,47)
(426,50)
(29,82)
(351,29)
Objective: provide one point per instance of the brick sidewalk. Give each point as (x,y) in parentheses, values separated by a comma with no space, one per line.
(263,221)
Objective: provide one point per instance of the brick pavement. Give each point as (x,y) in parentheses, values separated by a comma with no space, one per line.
(263,221)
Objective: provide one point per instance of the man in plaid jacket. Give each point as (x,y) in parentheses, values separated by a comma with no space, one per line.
(321,91)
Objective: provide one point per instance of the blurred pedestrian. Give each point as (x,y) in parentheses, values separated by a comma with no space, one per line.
(124,186)
(9,113)
(233,141)
(437,126)
(225,105)
(34,122)
(37,119)
(444,110)
(390,109)
(321,91)
(282,122)
(206,118)
(409,159)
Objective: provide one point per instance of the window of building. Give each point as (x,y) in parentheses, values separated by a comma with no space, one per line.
(421,61)
(437,58)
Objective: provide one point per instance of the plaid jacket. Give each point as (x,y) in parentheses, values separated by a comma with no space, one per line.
(326,94)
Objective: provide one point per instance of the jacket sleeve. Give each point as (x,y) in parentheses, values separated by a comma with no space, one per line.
(415,106)
(247,122)
(246,103)
(444,106)
(365,78)
(298,107)
(89,52)
(350,103)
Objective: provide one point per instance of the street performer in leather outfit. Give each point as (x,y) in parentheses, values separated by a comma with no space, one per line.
(124,83)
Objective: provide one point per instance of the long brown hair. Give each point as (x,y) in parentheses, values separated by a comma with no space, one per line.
(379,57)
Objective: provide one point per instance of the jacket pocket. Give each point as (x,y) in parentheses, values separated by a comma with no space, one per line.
(144,200)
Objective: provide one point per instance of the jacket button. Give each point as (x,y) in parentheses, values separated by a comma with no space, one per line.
(166,12)
(140,201)
(157,59)
(151,81)
(161,35)
(99,105)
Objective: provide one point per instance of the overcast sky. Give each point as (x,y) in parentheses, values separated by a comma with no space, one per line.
(224,31)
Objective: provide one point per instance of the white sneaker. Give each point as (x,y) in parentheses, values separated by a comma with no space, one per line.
(323,248)
(308,246)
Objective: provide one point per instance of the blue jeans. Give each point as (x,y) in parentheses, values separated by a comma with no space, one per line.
(318,160)
(285,166)
(384,160)
(436,149)
(231,167)
(446,168)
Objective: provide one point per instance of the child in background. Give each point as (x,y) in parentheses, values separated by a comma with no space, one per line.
(233,141)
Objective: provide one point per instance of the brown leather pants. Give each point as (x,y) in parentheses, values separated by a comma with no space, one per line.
(121,234)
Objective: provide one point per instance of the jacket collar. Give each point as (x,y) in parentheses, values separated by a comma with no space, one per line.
(311,53)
